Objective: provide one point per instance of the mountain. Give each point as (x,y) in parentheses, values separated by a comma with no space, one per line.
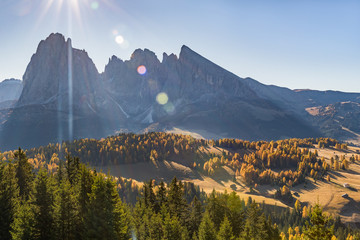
(10,91)
(62,98)
(201,97)
(65,97)
(340,120)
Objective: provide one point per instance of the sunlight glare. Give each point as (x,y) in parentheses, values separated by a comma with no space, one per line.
(162,98)
(141,69)
(119,39)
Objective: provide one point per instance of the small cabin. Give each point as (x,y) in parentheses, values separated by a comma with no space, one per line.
(346,185)
(345,195)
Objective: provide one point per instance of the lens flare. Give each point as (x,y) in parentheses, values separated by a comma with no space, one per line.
(119,39)
(169,107)
(94,5)
(162,98)
(141,69)
(115,32)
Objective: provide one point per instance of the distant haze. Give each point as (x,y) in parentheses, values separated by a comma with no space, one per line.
(295,44)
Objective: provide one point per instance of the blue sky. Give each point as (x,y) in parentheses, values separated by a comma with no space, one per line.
(290,43)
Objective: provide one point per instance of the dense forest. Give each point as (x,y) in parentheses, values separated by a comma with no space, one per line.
(284,162)
(76,202)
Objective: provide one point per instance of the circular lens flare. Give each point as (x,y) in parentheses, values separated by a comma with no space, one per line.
(94,5)
(169,108)
(141,69)
(119,39)
(162,98)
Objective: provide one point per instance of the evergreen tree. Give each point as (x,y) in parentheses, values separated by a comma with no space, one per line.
(9,202)
(319,227)
(161,194)
(72,167)
(176,201)
(195,216)
(236,213)
(173,230)
(43,207)
(216,209)
(207,228)
(67,212)
(106,217)
(24,173)
(255,225)
(23,225)
(225,231)
(155,228)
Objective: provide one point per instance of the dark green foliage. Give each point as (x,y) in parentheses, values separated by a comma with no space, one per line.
(319,227)
(106,217)
(207,228)
(67,212)
(24,173)
(255,225)
(225,231)
(78,203)
(9,202)
(43,205)
(23,225)
(195,216)
(72,167)
(176,201)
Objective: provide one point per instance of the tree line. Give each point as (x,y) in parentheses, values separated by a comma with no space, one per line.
(76,202)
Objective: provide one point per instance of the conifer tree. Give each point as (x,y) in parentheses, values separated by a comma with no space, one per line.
(24,173)
(319,227)
(255,224)
(9,202)
(105,203)
(215,209)
(173,230)
(207,228)
(195,216)
(225,231)
(67,212)
(23,226)
(154,228)
(161,194)
(43,207)
(176,201)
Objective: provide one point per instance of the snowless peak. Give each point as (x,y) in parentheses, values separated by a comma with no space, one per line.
(56,37)
(186,52)
(144,55)
(115,59)
(171,57)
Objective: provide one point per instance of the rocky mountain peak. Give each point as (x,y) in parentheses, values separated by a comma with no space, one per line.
(144,57)
(169,58)
(46,79)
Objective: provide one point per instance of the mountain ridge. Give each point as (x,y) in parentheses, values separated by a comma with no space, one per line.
(63,87)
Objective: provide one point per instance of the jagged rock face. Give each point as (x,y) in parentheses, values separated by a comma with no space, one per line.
(55,70)
(133,91)
(189,79)
(51,108)
(202,97)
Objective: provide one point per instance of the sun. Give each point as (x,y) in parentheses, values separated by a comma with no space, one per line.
(72,8)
